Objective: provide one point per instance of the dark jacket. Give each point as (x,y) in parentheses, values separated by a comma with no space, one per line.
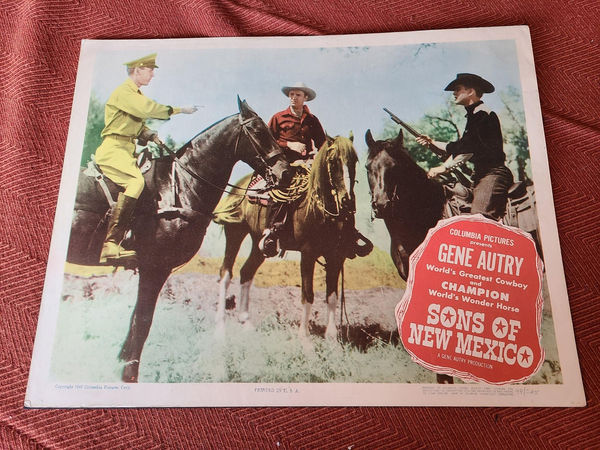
(483,138)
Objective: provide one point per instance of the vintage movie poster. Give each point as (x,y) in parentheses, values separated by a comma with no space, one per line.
(360,220)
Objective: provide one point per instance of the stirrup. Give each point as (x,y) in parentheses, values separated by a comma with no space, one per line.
(268,244)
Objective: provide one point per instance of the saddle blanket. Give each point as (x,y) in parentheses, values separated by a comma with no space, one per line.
(257,191)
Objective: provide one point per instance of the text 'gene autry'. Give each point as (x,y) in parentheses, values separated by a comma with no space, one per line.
(485,260)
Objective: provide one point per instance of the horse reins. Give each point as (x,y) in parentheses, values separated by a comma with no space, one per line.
(255,145)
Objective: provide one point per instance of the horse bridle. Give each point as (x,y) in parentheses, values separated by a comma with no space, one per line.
(255,146)
(393,199)
(338,205)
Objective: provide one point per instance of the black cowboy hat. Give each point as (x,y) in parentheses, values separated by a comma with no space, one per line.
(472,81)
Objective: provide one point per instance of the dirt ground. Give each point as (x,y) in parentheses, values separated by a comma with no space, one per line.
(367,314)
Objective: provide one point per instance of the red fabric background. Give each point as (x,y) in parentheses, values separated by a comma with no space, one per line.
(38,59)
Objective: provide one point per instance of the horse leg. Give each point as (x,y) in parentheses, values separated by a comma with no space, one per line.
(234,236)
(307,270)
(255,259)
(332,274)
(444,379)
(400,258)
(150,284)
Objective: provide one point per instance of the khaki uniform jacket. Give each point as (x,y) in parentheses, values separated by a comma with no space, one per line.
(124,115)
(127,108)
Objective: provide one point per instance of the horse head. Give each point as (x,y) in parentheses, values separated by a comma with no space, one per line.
(383,171)
(263,154)
(333,176)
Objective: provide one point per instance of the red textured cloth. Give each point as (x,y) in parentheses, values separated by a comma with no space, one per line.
(38,61)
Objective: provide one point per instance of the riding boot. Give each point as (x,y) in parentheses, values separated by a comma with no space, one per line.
(269,243)
(121,216)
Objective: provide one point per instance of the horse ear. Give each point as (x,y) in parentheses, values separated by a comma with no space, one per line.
(369,139)
(244,108)
(351,136)
(400,136)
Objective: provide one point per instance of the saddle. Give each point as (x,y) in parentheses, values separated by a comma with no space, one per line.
(110,190)
(97,194)
(258,192)
(520,206)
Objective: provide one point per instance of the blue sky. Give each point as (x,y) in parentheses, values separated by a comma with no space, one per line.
(353,84)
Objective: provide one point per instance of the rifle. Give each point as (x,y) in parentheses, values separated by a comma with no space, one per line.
(451,163)
(414,132)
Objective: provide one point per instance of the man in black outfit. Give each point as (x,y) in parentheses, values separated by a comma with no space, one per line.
(482,138)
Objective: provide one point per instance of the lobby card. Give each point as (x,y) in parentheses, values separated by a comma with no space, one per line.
(433,305)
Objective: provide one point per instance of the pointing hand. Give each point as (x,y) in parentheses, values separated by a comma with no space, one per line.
(189,109)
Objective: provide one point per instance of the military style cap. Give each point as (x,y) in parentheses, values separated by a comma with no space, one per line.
(299,86)
(471,80)
(146,61)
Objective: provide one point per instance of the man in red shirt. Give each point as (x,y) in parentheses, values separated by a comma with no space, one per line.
(300,135)
(297,131)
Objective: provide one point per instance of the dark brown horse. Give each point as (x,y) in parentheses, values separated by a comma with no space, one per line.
(402,195)
(321,224)
(175,211)
(410,203)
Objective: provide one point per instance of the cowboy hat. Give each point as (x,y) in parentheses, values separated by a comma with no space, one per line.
(310,94)
(471,80)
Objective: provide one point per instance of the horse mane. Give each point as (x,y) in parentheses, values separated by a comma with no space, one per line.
(340,148)
(191,141)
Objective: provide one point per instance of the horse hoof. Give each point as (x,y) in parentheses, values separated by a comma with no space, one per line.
(130,372)
(331,336)
(444,379)
(243,317)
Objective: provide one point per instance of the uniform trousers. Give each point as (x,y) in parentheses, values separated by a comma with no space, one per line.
(115,159)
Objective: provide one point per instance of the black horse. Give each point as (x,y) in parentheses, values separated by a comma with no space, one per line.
(410,203)
(407,200)
(402,195)
(175,210)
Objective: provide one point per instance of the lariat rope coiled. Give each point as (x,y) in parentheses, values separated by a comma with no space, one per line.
(297,188)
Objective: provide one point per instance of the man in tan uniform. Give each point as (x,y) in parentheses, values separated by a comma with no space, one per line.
(124,115)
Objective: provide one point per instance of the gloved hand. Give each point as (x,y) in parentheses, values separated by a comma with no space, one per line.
(298,147)
(146,135)
(188,109)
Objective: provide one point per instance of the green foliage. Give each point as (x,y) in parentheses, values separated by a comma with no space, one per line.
(95,125)
(441,123)
(512,118)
